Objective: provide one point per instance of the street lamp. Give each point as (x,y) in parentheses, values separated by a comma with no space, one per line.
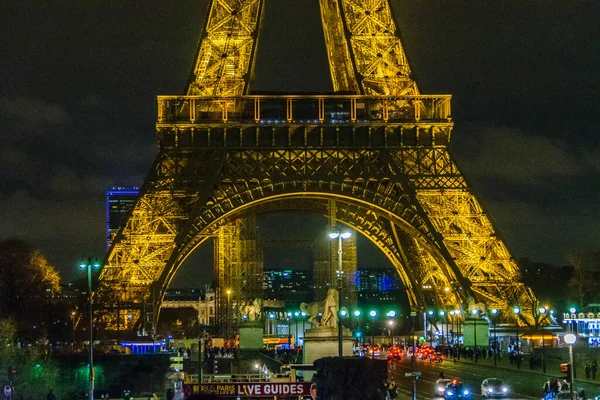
(517,311)
(474,312)
(443,315)
(571,339)
(391,325)
(542,311)
(89,263)
(494,316)
(73,313)
(228,292)
(357,315)
(373,314)
(340,272)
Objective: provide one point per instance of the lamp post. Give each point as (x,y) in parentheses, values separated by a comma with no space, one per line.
(340,273)
(571,339)
(517,311)
(413,314)
(89,263)
(542,311)
(289,321)
(451,314)
(228,292)
(443,315)
(474,312)
(373,314)
(494,315)
(391,331)
(73,313)
(357,314)
(430,313)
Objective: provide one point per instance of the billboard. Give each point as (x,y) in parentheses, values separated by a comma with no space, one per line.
(253,389)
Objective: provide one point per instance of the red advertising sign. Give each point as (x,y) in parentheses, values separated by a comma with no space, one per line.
(255,389)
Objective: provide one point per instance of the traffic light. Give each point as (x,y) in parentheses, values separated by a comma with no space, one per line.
(566,369)
(12,374)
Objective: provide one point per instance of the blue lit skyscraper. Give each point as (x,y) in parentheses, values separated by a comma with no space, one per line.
(120,200)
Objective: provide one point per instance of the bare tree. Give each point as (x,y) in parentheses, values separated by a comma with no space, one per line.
(584,284)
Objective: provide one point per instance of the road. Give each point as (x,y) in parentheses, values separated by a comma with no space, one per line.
(522,384)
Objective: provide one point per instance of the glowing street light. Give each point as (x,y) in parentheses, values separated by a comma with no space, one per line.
(475,312)
(494,312)
(89,263)
(340,272)
(517,311)
(571,339)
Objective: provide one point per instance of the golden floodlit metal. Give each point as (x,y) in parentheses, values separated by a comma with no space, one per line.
(379,151)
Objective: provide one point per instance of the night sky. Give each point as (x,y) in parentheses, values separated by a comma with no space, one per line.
(79,80)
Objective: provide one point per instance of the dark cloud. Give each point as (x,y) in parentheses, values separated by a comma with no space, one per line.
(523,159)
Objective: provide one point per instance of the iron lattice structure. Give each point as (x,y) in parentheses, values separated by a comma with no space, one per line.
(238,268)
(380,151)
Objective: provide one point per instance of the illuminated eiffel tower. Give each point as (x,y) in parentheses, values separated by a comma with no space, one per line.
(377,147)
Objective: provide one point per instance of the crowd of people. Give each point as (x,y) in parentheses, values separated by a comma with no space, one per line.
(285,356)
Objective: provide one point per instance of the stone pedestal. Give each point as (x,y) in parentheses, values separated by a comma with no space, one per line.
(251,336)
(323,342)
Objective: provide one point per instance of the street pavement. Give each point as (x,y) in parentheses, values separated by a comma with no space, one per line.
(522,384)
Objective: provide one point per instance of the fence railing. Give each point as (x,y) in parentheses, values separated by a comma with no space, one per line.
(300,109)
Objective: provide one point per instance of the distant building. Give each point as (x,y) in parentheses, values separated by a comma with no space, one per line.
(203,300)
(378,285)
(120,200)
(289,286)
(585,323)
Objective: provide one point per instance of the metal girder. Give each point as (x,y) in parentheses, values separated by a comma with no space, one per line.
(364,48)
(226,52)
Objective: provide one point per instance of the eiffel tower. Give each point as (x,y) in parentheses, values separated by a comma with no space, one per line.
(376,146)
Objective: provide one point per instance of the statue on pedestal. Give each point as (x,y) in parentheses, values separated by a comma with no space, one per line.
(253,310)
(328,310)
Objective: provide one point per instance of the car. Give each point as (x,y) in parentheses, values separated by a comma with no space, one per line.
(493,387)
(436,357)
(440,386)
(456,390)
(394,352)
(374,352)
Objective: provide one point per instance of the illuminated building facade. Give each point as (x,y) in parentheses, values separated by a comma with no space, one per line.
(290,286)
(377,285)
(585,323)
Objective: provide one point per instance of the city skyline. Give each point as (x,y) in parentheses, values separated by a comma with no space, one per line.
(79,117)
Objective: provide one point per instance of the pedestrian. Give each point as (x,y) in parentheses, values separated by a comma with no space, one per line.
(50,395)
(594,369)
(546,387)
(588,370)
(554,386)
(392,390)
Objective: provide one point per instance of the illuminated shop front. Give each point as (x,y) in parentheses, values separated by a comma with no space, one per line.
(585,323)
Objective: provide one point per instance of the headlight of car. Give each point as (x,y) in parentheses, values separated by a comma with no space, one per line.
(505,389)
(490,390)
(441,388)
(450,392)
(466,392)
